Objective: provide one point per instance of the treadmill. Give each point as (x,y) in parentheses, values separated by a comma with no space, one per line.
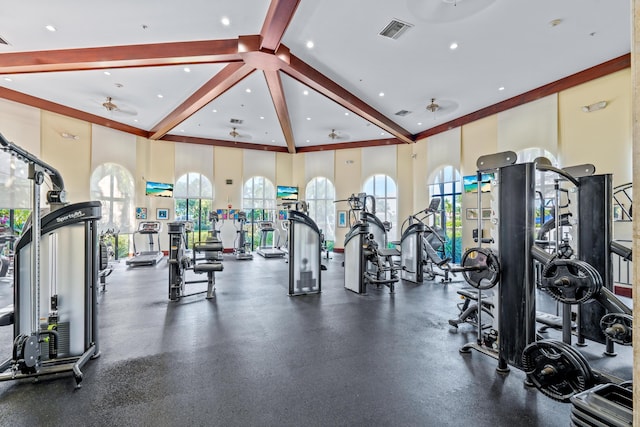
(149,257)
(265,249)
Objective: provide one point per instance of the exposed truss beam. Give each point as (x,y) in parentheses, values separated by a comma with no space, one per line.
(219,84)
(98,58)
(278,18)
(309,76)
(280,103)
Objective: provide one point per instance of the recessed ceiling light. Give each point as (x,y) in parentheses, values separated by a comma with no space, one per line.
(107,73)
(247,90)
(187,69)
(214,111)
(261,117)
(160,95)
(306,92)
(308,118)
(419,123)
(273,140)
(181,130)
(453,46)
(51,28)
(8,79)
(501,88)
(310,44)
(225,21)
(381,94)
(135,120)
(346,114)
(381,133)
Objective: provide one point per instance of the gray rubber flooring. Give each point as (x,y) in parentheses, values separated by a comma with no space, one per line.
(254,356)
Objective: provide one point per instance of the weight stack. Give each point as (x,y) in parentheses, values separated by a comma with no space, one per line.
(594,237)
(606,404)
(517,311)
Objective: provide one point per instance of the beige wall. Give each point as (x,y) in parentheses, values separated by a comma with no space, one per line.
(602,138)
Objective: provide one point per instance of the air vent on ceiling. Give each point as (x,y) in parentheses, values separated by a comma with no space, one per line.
(236,121)
(3,41)
(403,113)
(395,29)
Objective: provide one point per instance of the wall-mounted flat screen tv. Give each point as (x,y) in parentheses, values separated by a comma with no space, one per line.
(159,189)
(287,192)
(470,183)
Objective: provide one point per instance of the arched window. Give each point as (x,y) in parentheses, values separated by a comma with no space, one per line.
(545,182)
(320,195)
(193,195)
(385,191)
(446,184)
(112,184)
(259,202)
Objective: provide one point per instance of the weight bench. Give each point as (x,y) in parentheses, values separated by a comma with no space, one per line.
(551,321)
(469,311)
(210,266)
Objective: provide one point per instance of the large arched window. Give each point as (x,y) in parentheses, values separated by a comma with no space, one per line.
(545,182)
(320,195)
(446,184)
(259,202)
(112,184)
(385,191)
(193,194)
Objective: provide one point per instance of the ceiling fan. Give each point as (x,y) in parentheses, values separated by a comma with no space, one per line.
(433,107)
(235,134)
(111,107)
(335,135)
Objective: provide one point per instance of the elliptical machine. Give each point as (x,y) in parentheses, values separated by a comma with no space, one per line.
(241,246)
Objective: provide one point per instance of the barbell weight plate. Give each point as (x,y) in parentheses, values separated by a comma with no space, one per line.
(618,327)
(590,377)
(570,281)
(553,370)
(481,268)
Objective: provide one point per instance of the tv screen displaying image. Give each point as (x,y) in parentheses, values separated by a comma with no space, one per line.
(287,192)
(159,189)
(470,183)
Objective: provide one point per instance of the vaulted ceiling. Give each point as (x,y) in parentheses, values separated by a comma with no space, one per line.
(302,75)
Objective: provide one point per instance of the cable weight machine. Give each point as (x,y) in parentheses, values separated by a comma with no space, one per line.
(67,337)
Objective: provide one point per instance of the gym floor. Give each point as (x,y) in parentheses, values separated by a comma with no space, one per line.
(253,356)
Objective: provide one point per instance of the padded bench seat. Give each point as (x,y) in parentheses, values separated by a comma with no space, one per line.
(208,247)
(208,267)
(473,295)
(388,252)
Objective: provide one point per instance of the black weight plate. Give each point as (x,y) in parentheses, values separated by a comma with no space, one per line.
(482,268)
(589,377)
(553,370)
(610,319)
(570,281)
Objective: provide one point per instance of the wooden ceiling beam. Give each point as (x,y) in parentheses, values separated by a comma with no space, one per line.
(219,84)
(309,76)
(274,83)
(142,55)
(224,143)
(53,107)
(279,16)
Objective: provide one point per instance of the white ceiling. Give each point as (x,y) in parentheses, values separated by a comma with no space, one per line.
(502,43)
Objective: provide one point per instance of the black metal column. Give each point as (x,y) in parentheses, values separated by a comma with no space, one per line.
(517,288)
(594,237)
